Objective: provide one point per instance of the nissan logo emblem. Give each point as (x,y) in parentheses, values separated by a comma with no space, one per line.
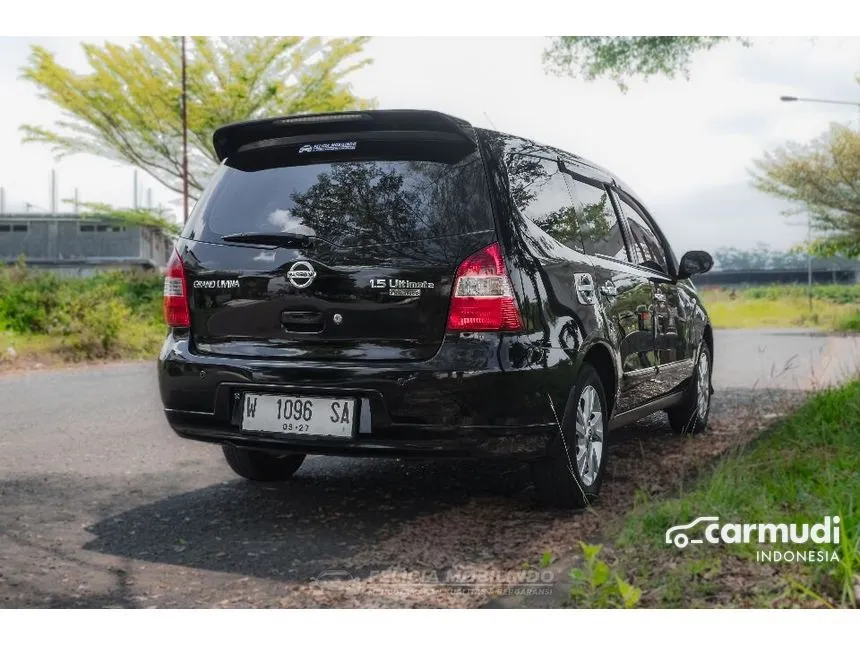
(301,274)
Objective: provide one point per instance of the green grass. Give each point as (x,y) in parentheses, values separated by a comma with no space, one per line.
(834,307)
(47,318)
(805,468)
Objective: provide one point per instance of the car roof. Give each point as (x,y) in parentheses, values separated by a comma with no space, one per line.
(595,169)
(229,137)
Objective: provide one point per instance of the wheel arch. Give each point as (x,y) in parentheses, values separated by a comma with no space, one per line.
(708,337)
(599,356)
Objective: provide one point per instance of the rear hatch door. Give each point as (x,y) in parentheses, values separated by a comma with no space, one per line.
(334,247)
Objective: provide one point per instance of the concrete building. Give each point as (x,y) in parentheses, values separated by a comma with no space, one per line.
(75,245)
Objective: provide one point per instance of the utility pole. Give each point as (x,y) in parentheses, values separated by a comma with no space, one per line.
(184,138)
(134,201)
(149,198)
(53,192)
(809,258)
(2,200)
(76,200)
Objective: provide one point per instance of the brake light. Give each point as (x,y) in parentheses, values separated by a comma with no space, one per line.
(176,312)
(483,299)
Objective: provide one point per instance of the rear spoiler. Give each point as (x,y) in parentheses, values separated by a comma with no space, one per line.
(230,138)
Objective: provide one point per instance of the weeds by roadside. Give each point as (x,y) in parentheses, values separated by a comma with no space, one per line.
(596,586)
(54,319)
(835,307)
(804,468)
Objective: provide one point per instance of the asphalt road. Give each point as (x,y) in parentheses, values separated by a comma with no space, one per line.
(101,505)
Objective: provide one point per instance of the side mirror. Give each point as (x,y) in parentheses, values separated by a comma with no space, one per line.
(694,262)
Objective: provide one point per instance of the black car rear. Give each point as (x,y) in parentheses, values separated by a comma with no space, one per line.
(376,283)
(365,261)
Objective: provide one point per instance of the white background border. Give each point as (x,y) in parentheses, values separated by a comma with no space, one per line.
(434,17)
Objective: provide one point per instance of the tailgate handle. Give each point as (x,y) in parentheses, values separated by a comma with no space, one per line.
(302,320)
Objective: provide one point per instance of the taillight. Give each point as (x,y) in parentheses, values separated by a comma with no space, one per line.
(482,299)
(176,312)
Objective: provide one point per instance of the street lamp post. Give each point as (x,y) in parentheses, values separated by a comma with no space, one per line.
(792,99)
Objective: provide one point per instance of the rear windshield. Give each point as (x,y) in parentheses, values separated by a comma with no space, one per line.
(350,203)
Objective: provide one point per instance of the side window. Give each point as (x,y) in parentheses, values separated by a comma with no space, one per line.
(601,231)
(645,242)
(539,190)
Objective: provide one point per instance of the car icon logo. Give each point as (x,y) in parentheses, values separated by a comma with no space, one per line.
(301,274)
(680,539)
(333,575)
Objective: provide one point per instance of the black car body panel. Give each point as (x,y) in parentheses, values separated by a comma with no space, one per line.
(371,324)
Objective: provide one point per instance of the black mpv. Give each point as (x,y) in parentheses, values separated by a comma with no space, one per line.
(400,283)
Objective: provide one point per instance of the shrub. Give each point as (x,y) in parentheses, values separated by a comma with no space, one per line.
(595,585)
(850,322)
(91,324)
(28,300)
(107,315)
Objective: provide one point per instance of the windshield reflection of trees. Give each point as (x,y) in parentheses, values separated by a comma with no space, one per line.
(417,209)
(529,175)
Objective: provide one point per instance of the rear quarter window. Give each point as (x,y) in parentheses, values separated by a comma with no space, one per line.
(601,229)
(539,191)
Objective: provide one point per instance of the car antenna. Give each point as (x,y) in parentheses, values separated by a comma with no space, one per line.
(490,120)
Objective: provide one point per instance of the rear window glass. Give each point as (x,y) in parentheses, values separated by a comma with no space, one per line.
(350,203)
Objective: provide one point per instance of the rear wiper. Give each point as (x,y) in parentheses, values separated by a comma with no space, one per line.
(283,240)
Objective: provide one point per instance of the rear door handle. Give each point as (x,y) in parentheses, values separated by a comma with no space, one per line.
(584,288)
(302,321)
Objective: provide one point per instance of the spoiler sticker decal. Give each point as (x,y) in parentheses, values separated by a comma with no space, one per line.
(328,147)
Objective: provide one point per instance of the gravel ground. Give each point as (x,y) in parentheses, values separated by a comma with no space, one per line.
(102,506)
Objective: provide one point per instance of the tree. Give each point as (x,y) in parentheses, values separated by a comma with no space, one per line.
(761,257)
(821,178)
(128,107)
(622,57)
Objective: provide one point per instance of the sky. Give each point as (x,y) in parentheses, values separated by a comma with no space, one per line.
(685,146)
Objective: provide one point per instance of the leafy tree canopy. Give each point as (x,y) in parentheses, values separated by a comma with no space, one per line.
(821,178)
(127,108)
(624,57)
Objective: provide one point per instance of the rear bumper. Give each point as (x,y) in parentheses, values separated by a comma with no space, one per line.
(401,441)
(409,409)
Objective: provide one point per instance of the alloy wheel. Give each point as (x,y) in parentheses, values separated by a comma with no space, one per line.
(703,393)
(589,435)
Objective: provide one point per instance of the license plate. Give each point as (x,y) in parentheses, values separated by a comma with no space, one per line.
(298,415)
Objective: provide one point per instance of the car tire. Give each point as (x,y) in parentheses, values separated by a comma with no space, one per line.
(568,477)
(691,416)
(261,466)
